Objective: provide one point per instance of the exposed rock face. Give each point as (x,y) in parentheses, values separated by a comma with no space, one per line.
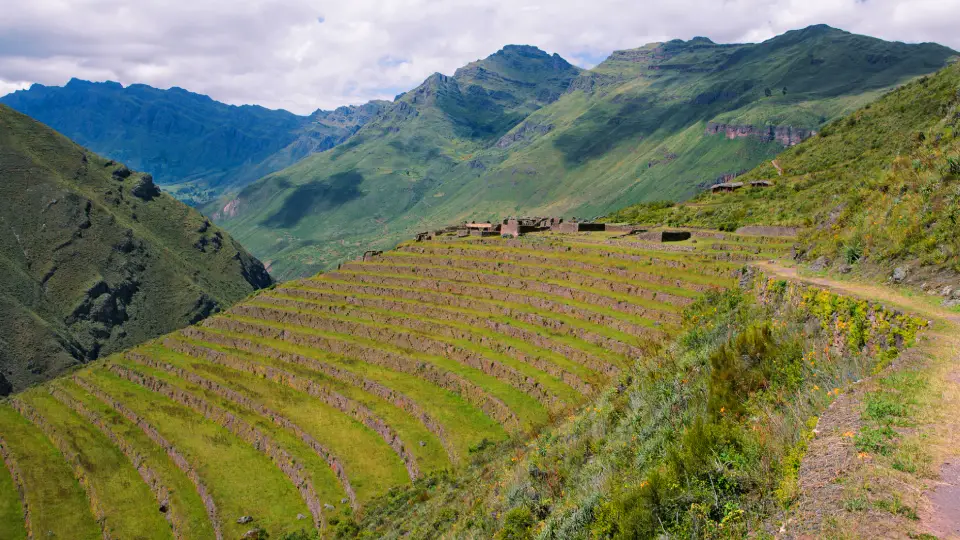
(145,188)
(785,135)
(526,131)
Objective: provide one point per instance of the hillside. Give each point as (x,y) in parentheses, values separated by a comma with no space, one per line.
(657,122)
(331,390)
(873,192)
(95,258)
(194,147)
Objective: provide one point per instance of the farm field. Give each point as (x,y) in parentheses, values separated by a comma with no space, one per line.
(298,406)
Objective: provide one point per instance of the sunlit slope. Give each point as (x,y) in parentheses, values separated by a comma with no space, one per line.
(304,402)
(659,122)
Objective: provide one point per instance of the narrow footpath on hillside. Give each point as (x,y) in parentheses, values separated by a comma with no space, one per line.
(849,494)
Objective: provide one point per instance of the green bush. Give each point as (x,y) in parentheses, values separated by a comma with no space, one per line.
(518,525)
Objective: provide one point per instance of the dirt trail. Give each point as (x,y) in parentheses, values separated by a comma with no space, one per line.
(832,462)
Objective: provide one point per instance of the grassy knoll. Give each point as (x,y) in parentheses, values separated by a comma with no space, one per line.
(126,505)
(224,462)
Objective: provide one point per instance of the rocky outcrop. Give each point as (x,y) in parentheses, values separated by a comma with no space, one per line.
(390,395)
(144,188)
(178,458)
(470,392)
(256,438)
(785,135)
(529,129)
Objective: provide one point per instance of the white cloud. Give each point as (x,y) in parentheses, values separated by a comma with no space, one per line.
(304,54)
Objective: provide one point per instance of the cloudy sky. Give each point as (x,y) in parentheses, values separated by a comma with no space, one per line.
(304,54)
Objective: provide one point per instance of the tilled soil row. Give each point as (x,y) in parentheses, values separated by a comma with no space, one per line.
(534,283)
(150,477)
(498,260)
(444,314)
(406,341)
(487,292)
(440,300)
(525,274)
(11,463)
(96,505)
(178,458)
(283,460)
(359,412)
(435,328)
(472,393)
(398,399)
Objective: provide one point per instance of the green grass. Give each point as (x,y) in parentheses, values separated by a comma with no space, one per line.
(465,424)
(185,502)
(566,319)
(225,463)
(129,507)
(105,269)
(549,382)
(12,524)
(58,504)
(371,465)
(430,457)
(529,411)
(513,343)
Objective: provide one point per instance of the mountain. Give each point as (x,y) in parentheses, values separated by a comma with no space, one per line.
(874,191)
(523,132)
(96,258)
(194,146)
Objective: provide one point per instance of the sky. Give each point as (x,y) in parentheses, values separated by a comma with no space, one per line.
(301,55)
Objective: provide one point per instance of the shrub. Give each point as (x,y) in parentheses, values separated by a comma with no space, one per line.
(518,525)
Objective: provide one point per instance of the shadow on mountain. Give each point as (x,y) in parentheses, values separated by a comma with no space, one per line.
(602,129)
(314,197)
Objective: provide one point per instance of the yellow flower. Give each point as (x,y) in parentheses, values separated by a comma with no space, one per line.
(848,434)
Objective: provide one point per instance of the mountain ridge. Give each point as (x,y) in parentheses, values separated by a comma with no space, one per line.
(633,128)
(96,257)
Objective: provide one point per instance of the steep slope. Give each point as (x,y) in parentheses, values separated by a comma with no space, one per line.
(651,123)
(877,189)
(95,258)
(321,210)
(193,145)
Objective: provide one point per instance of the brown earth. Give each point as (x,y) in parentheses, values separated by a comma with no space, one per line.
(831,469)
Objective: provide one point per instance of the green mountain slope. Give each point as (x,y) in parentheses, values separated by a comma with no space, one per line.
(95,258)
(194,146)
(650,123)
(879,186)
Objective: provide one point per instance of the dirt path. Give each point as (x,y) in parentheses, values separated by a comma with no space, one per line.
(832,469)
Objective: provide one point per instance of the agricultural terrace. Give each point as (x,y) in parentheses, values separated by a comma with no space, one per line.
(297,406)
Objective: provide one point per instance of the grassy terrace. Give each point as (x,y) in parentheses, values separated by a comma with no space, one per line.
(305,402)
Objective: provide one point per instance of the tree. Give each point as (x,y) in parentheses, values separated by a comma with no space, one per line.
(767,92)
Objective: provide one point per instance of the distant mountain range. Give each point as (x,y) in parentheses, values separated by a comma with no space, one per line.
(94,258)
(520,132)
(193,146)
